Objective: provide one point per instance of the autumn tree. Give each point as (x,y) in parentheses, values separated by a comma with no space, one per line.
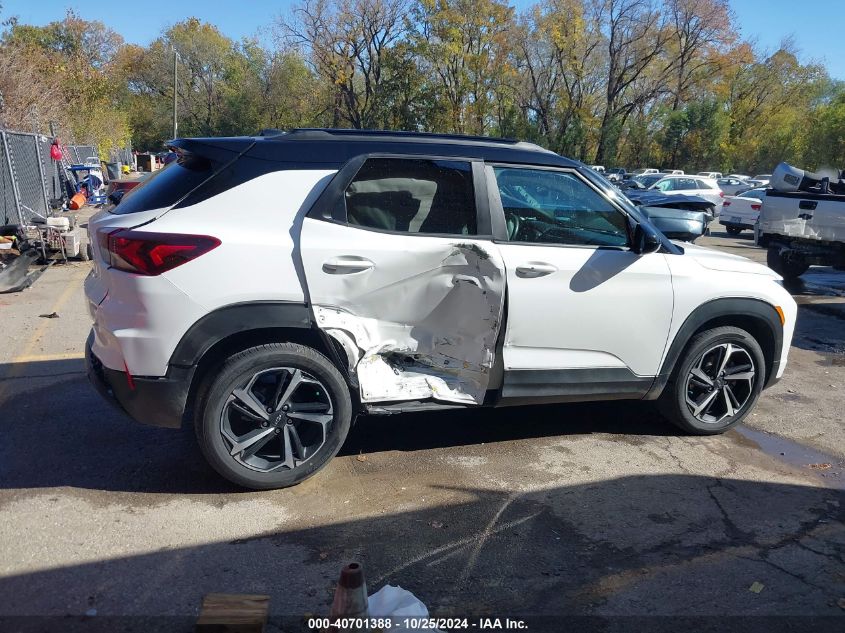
(347,43)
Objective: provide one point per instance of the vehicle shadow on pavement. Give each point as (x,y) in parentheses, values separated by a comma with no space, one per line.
(57,431)
(635,545)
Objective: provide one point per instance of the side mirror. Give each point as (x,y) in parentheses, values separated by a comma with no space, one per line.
(645,241)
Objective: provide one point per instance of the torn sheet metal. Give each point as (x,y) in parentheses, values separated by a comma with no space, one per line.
(432,334)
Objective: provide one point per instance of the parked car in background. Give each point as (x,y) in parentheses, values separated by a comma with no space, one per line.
(763,179)
(642,181)
(732,186)
(678,217)
(598,168)
(710,174)
(742,211)
(738,176)
(645,170)
(616,174)
(377,285)
(674,172)
(691,186)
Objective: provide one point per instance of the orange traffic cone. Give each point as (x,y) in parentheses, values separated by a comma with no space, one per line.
(350,597)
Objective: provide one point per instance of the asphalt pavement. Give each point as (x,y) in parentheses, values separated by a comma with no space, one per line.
(599,511)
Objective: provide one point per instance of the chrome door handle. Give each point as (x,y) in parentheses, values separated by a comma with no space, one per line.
(347,264)
(535,269)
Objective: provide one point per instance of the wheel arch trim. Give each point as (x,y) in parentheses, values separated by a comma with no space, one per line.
(724,311)
(237,318)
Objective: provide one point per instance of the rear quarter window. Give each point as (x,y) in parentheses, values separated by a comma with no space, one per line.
(167,187)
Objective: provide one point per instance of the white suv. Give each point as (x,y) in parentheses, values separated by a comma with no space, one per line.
(270,289)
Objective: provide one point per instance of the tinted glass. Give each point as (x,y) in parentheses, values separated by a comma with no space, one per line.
(703,184)
(685,184)
(649,179)
(754,193)
(166,187)
(413,196)
(665,185)
(549,207)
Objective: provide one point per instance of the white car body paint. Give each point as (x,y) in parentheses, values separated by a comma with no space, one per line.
(424,320)
(739,210)
(677,185)
(702,275)
(141,319)
(423,312)
(589,311)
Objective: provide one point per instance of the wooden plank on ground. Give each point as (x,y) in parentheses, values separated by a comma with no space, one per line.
(233,613)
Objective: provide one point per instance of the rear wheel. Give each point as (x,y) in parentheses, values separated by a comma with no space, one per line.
(716,383)
(274,416)
(789,267)
(733,230)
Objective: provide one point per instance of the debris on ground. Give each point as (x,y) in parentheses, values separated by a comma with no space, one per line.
(824,466)
(233,612)
(361,458)
(52,315)
(756,587)
(350,596)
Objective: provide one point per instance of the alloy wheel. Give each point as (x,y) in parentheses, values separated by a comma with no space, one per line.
(720,383)
(279,419)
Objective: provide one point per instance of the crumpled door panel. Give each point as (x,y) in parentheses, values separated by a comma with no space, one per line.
(422,322)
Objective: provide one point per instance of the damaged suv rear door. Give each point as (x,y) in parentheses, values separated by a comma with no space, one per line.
(402,272)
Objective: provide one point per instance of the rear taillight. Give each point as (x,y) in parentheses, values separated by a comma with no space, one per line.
(151,254)
(721,194)
(756,207)
(726,203)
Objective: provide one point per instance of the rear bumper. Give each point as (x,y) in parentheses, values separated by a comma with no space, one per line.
(152,401)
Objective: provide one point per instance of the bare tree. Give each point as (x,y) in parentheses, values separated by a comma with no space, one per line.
(700,31)
(346,42)
(637,33)
(557,50)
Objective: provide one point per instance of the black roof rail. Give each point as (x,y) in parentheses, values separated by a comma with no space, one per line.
(335,132)
(270,131)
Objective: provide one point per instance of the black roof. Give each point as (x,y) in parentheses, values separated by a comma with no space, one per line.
(332,148)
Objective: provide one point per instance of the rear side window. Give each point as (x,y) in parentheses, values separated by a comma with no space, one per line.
(703,184)
(413,196)
(166,187)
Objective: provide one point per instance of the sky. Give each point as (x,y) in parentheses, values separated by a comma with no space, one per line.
(813,25)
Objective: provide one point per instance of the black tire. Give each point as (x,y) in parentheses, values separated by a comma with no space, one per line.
(733,230)
(790,268)
(243,372)
(683,388)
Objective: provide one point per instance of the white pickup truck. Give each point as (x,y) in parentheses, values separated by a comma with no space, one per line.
(802,222)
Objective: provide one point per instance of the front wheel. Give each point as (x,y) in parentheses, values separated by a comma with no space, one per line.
(733,230)
(716,382)
(274,415)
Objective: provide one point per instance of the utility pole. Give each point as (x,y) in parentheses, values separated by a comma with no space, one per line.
(175,67)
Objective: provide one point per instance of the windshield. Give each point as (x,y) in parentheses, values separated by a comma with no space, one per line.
(754,193)
(647,180)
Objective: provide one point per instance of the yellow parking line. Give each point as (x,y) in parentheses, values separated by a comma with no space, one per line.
(40,358)
(19,362)
(45,324)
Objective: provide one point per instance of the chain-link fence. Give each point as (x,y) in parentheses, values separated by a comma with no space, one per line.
(81,154)
(30,181)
